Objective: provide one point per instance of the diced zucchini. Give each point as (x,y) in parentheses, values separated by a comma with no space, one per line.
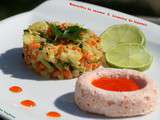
(50,68)
(28,38)
(71,56)
(41,26)
(49,55)
(59,65)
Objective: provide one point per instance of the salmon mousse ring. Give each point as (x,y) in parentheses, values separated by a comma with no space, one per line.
(92,99)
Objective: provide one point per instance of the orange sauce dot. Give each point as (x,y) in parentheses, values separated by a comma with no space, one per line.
(15,89)
(28,103)
(53,114)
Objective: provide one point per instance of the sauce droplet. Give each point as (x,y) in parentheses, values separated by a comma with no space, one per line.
(28,103)
(53,114)
(116,84)
(15,89)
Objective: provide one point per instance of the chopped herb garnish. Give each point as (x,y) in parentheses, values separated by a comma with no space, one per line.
(51,63)
(42,34)
(71,34)
(66,64)
(81,45)
(26,30)
(48,40)
(41,48)
(57,31)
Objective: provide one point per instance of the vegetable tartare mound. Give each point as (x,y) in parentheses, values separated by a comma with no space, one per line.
(61,50)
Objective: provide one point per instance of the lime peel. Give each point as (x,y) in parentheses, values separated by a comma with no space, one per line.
(123,33)
(137,57)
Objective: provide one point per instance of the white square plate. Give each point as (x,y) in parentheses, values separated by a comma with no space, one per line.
(58,95)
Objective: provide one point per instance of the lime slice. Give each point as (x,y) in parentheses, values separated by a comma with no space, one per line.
(131,56)
(122,33)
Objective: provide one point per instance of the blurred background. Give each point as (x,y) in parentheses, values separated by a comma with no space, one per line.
(12,7)
(147,9)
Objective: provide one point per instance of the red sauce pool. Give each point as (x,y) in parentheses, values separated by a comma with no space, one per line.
(28,103)
(53,114)
(15,89)
(116,84)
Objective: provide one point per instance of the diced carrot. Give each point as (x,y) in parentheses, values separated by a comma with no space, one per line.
(35,45)
(61,47)
(93,42)
(60,50)
(76,48)
(49,32)
(37,53)
(40,67)
(33,58)
(56,73)
(67,74)
(73,48)
(94,65)
(88,66)
(82,60)
(87,56)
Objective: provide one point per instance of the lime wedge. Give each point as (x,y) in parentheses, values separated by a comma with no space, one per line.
(122,33)
(130,56)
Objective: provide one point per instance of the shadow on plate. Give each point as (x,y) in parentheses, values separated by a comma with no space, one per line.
(66,104)
(12,64)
